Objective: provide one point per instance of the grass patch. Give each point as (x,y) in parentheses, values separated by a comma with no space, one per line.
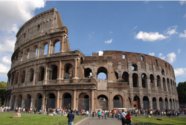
(34,119)
(140,120)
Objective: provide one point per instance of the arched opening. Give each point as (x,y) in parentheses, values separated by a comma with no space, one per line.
(45,49)
(13,102)
(161,103)
(57,46)
(154,103)
(83,102)
(152,80)
(134,67)
(28,103)
(19,101)
(39,102)
(158,81)
(102,74)
(68,71)
(118,101)
(102,102)
(168,85)
(135,80)
(166,104)
(170,100)
(67,101)
(145,103)
(23,76)
(162,72)
(54,72)
(17,78)
(125,77)
(41,73)
(51,101)
(136,102)
(36,51)
(87,73)
(116,75)
(31,75)
(144,80)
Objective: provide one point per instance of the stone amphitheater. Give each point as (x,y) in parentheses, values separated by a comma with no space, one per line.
(45,73)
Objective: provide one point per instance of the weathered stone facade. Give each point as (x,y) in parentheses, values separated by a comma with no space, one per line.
(45,73)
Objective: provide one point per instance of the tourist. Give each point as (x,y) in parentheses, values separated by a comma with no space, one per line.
(128,118)
(70,117)
(99,114)
(123,115)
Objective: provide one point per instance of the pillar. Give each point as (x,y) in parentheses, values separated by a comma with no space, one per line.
(57,100)
(158,103)
(46,75)
(76,68)
(92,101)
(59,71)
(74,100)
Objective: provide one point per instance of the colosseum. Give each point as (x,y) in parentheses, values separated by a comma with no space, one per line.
(46,73)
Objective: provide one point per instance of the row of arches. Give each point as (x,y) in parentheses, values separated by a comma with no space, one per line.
(84,101)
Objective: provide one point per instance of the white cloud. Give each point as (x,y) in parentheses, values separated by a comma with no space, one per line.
(180,71)
(171,30)
(3,68)
(183,35)
(150,36)
(7,44)
(108,41)
(182,2)
(170,57)
(179,51)
(6,60)
(152,54)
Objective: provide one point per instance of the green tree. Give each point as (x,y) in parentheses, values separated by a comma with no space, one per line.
(181,88)
(3,86)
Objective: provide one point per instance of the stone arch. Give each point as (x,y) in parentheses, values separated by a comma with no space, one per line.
(118,101)
(51,101)
(19,101)
(168,85)
(135,79)
(45,49)
(163,72)
(28,102)
(23,76)
(170,102)
(102,102)
(87,73)
(116,75)
(134,67)
(154,103)
(152,80)
(161,104)
(31,78)
(83,102)
(158,81)
(17,78)
(13,101)
(136,102)
(67,101)
(57,46)
(102,73)
(41,75)
(39,102)
(146,105)
(144,80)
(125,77)
(53,72)
(68,69)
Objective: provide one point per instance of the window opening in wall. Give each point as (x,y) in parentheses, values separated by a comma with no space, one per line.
(152,80)
(158,81)
(31,75)
(164,86)
(136,102)
(67,100)
(157,62)
(154,103)
(41,73)
(125,77)
(83,102)
(162,72)
(68,71)
(54,72)
(123,56)
(102,73)
(142,58)
(134,67)
(51,101)
(46,49)
(38,27)
(161,103)
(57,46)
(144,80)
(23,77)
(87,73)
(116,74)
(145,103)
(118,101)
(36,52)
(135,80)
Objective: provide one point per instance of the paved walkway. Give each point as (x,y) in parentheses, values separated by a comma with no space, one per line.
(96,121)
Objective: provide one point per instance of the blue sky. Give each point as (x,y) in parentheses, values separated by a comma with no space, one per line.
(155,28)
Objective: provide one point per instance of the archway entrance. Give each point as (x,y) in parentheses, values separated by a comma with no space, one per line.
(83,102)
(102,102)
(136,102)
(67,100)
(39,102)
(51,101)
(145,103)
(118,101)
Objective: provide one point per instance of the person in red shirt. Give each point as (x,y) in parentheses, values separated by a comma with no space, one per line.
(128,118)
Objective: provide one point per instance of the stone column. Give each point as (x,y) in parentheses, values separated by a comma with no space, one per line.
(44,101)
(74,100)
(76,68)
(148,84)
(46,75)
(32,103)
(35,74)
(110,101)
(92,101)
(57,100)
(23,102)
(158,103)
(139,81)
(141,101)
(150,103)
(59,71)
(62,71)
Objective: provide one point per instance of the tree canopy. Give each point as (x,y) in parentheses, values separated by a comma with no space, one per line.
(3,84)
(181,88)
